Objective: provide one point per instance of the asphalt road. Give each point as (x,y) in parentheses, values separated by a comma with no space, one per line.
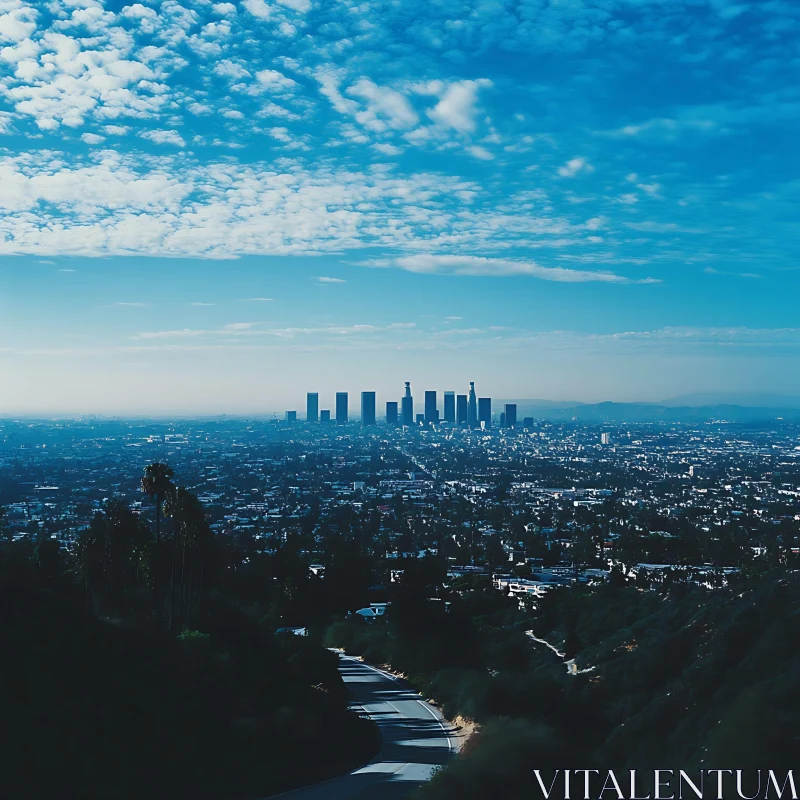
(415,739)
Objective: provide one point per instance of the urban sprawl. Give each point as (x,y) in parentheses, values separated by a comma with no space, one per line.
(528,506)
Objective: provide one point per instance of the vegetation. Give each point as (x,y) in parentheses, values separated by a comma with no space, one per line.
(671,674)
(140,664)
(145,657)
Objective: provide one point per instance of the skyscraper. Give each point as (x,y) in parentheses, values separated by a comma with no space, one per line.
(431,412)
(485,411)
(291,416)
(325,415)
(462,414)
(367,408)
(391,413)
(511,415)
(341,408)
(450,407)
(472,406)
(312,407)
(407,408)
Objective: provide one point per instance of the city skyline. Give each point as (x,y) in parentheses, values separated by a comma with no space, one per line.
(204,203)
(456,409)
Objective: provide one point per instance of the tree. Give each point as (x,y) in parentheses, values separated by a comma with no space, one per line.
(5,529)
(157,483)
(192,537)
(112,552)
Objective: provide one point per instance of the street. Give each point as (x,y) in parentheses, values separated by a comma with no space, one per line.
(415,739)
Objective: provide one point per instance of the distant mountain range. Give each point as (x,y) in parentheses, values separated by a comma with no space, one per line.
(688,408)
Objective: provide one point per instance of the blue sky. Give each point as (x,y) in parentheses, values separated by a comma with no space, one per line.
(211,207)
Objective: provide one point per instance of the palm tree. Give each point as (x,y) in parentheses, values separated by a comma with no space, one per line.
(157,483)
(192,534)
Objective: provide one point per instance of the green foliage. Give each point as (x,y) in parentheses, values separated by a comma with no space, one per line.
(499,764)
(683,676)
(122,713)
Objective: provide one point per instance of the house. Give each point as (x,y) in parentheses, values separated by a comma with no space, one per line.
(372,613)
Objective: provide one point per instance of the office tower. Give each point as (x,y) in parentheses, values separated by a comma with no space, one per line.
(431,412)
(511,415)
(367,408)
(462,414)
(341,408)
(485,411)
(325,415)
(391,413)
(450,407)
(605,438)
(472,407)
(527,422)
(291,416)
(407,407)
(312,407)
(420,419)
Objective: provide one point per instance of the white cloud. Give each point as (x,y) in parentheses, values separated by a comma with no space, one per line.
(166,203)
(324,279)
(329,86)
(386,107)
(231,69)
(456,108)
(480,152)
(258,8)
(92,138)
(296,5)
(18,23)
(575,166)
(62,80)
(273,81)
(387,149)
(495,267)
(164,137)
(239,326)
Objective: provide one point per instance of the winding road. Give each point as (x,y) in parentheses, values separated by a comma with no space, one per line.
(416,739)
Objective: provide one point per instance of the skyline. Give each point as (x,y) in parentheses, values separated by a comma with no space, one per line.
(202,204)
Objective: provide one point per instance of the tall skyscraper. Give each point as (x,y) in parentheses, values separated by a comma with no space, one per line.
(291,416)
(431,412)
(462,413)
(341,408)
(312,407)
(511,415)
(325,415)
(472,406)
(367,408)
(485,411)
(407,407)
(391,413)
(450,407)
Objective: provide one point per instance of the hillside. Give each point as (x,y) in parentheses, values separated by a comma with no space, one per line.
(96,708)
(682,678)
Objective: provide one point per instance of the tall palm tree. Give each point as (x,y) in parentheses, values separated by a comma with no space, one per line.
(191,536)
(157,483)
